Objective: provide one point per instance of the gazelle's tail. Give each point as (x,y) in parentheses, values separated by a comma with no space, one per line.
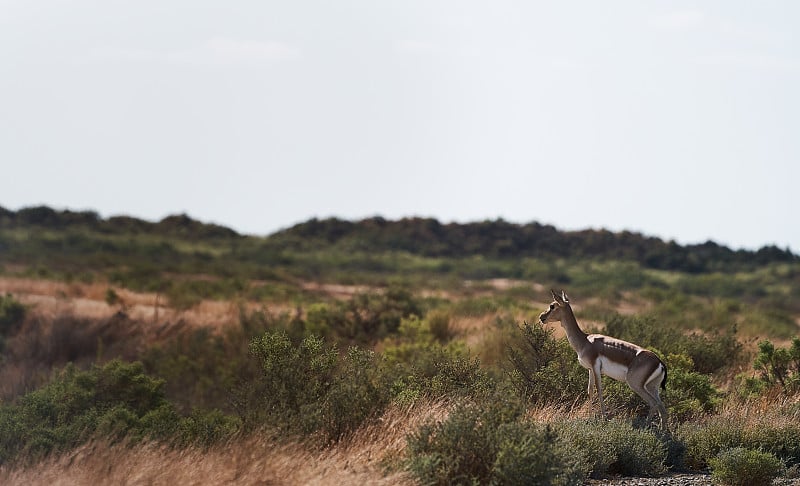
(664,381)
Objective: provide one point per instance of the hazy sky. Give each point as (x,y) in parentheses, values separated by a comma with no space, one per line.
(678,120)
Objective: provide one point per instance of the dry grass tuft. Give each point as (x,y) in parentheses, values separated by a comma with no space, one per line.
(546,414)
(772,409)
(363,458)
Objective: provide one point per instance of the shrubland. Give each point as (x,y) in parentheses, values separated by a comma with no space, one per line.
(344,328)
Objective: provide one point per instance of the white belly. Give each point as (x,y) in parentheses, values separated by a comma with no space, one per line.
(613,369)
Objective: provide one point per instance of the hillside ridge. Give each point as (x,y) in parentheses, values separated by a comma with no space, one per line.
(428,237)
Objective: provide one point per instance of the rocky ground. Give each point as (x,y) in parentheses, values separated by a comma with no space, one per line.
(676,480)
(671,480)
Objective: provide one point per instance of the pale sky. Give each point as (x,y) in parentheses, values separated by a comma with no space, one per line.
(677,120)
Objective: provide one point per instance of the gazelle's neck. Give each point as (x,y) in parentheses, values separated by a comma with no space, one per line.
(575,336)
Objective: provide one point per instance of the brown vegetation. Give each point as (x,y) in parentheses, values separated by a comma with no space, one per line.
(260,458)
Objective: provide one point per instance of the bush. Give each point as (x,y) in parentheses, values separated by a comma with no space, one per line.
(439,325)
(309,388)
(356,394)
(12,313)
(779,366)
(201,367)
(745,467)
(418,365)
(543,369)
(112,400)
(530,454)
(615,447)
(689,393)
(708,353)
(717,433)
(488,443)
(292,382)
(365,318)
(205,428)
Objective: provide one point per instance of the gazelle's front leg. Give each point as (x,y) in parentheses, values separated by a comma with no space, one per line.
(598,383)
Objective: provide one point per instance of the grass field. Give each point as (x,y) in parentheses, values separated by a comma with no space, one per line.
(153,357)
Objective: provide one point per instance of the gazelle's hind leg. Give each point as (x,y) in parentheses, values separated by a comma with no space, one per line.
(652,387)
(647,396)
(649,393)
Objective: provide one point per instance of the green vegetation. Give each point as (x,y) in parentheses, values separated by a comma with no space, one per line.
(769,432)
(12,313)
(491,444)
(779,366)
(616,447)
(341,322)
(745,467)
(544,370)
(114,400)
(311,388)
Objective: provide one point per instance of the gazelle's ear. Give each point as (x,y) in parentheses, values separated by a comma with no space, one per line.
(555,296)
(564,296)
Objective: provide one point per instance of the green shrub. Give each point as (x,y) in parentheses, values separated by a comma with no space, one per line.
(432,371)
(365,318)
(543,369)
(615,447)
(717,433)
(714,352)
(205,428)
(705,440)
(488,443)
(745,467)
(708,353)
(112,298)
(438,323)
(356,394)
(201,367)
(779,365)
(12,313)
(417,365)
(292,382)
(689,393)
(112,400)
(309,388)
(531,454)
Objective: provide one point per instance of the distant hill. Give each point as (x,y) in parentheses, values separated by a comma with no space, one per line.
(428,237)
(501,239)
(179,225)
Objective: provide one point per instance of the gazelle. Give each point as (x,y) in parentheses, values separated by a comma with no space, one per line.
(641,369)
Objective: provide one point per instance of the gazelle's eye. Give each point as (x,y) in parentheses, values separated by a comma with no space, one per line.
(552,306)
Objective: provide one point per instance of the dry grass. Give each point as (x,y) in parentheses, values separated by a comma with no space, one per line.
(50,298)
(364,458)
(773,409)
(582,408)
(51,340)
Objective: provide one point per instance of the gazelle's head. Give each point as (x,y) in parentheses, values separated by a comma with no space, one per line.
(557,308)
